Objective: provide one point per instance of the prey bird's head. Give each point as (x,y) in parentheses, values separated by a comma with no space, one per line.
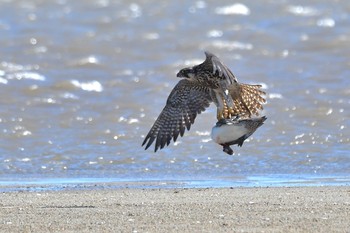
(186,73)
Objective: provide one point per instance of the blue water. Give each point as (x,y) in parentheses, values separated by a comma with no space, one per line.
(81,83)
(57,184)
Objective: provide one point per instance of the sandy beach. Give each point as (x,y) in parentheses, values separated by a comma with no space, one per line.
(297,209)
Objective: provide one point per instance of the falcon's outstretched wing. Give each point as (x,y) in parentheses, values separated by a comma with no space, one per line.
(186,100)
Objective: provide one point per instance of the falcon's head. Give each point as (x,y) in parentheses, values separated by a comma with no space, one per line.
(186,73)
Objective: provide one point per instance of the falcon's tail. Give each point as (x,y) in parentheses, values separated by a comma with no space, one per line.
(250,101)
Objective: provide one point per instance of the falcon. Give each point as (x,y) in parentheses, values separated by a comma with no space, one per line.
(210,81)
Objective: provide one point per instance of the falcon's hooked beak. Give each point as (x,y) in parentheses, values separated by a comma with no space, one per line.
(185,73)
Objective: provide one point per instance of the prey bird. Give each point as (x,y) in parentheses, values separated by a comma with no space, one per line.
(210,81)
(233,131)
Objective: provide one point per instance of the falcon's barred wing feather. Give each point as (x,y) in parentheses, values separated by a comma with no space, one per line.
(248,101)
(186,100)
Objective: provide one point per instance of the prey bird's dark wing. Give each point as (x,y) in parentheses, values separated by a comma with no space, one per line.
(186,100)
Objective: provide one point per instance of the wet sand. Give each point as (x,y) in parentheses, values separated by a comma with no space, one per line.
(297,209)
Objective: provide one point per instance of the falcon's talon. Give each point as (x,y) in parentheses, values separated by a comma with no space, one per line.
(231,112)
(236,117)
(227,111)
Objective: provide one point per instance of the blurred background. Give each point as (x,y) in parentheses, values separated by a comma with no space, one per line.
(82,82)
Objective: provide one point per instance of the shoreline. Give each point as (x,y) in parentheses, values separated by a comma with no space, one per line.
(277,209)
(58,184)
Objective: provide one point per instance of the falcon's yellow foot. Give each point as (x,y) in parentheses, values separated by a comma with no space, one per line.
(219,115)
(228,112)
(231,112)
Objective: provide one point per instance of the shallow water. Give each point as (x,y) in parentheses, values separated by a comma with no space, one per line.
(81,83)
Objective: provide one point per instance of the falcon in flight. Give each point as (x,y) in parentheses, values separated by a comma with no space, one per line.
(210,81)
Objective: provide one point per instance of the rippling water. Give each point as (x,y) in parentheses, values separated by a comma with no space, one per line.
(81,83)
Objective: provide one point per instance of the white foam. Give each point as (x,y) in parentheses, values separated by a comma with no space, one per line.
(203,133)
(26,133)
(238,9)
(302,10)
(25,159)
(136,10)
(214,33)
(26,75)
(222,44)
(326,22)
(275,96)
(88,86)
(3,81)
(133,120)
(87,60)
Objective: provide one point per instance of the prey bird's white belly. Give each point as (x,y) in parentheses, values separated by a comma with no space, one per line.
(228,133)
